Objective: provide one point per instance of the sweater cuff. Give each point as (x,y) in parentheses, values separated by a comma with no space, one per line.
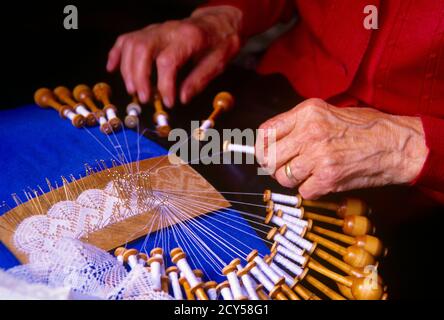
(432,173)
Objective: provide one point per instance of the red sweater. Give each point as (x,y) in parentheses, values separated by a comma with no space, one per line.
(328,54)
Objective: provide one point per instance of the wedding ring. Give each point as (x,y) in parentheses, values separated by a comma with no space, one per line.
(288,172)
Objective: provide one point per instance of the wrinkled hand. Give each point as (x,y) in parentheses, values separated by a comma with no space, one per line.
(210,37)
(332,149)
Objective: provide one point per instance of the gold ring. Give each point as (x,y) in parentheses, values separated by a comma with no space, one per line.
(288,172)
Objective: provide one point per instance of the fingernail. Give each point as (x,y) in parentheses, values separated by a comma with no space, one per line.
(167,102)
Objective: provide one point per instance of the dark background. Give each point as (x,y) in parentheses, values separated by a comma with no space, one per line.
(37,51)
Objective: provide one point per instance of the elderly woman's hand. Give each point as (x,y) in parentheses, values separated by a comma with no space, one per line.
(329,149)
(210,37)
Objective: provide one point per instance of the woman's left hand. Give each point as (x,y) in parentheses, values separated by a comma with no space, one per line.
(331,149)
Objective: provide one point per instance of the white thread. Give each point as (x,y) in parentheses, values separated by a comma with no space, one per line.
(206,125)
(132,261)
(133,109)
(285,242)
(69,114)
(175,285)
(296,212)
(240,148)
(289,265)
(234,285)
(249,285)
(288,279)
(184,267)
(301,242)
(162,267)
(299,222)
(161,120)
(226,293)
(280,222)
(156,275)
(212,294)
(285,199)
(102,121)
(80,109)
(267,270)
(296,256)
(110,113)
(262,278)
(120,259)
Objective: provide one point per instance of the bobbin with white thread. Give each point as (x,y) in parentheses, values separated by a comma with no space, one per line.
(230,271)
(274,291)
(249,284)
(133,111)
(173,275)
(45,98)
(288,264)
(265,268)
(294,220)
(210,288)
(222,102)
(274,234)
(102,92)
(64,95)
(231,147)
(83,93)
(295,212)
(186,288)
(130,257)
(178,257)
(295,201)
(158,252)
(279,221)
(160,117)
(288,279)
(298,240)
(296,256)
(142,259)
(155,264)
(224,290)
(118,253)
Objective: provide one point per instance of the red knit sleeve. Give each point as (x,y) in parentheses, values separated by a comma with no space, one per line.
(258,15)
(432,173)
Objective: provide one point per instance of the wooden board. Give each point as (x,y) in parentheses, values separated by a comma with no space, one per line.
(163,176)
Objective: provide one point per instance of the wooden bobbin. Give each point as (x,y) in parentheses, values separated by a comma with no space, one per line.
(210,288)
(353,255)
(118,253)
(130,257)
(83,93)
(160,117)
(370,243)
(343,266)
(298,240)
(142,258)
(224,290)
(292,211)
(223,102)
(347,207)
(361,288)
(133,111)
(277,219)
(352,225)
(156,262)
(64,95)
(295,201)
(187,288)
(173,274)
(44,98)
(274,291)
(285,286)
(230,271)
(102,92)
(232,147)
(165,283)
(253,256)
(178,257)
(261,293)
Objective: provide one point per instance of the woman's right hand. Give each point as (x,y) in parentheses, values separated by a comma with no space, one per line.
(210,36)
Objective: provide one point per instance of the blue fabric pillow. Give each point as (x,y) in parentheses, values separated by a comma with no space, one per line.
(36,144)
